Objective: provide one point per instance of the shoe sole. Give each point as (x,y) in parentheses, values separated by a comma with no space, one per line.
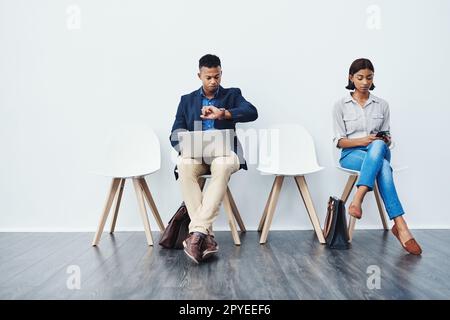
(356,217)
(208,254)
(187,253)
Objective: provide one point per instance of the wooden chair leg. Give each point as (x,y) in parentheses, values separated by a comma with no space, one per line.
(271,209)
(116,207)
(347,190)
(351,227)
(235,210)
(376,192)
(348,187)
(263,217)
(151,203)
(231,221)
(307,200)
(143,211)
(112,192)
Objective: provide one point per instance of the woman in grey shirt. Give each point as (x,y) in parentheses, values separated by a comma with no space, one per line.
(361,130)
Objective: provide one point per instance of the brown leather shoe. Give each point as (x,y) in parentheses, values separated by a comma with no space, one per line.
(354,211)
(192,247)
(209,246)
(411,245)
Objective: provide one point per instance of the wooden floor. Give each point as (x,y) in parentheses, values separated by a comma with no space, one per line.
(292,265)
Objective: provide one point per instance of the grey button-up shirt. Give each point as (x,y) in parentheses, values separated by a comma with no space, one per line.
(350,120)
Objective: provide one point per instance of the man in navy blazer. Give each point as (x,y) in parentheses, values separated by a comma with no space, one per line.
(210,107)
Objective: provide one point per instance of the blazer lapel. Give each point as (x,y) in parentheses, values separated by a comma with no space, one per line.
(197,106)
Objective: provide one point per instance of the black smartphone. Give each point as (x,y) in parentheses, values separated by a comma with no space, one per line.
(382,134)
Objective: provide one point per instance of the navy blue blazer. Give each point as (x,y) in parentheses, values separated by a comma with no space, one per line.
(189,110)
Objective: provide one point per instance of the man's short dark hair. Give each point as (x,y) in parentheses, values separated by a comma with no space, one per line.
(209,61)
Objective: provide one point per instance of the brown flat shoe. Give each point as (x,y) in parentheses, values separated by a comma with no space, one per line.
(411,245)
(355,212)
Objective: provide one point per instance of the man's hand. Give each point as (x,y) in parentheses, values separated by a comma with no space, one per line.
(211,112)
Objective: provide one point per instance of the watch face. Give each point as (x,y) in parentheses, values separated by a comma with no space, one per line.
(223,113)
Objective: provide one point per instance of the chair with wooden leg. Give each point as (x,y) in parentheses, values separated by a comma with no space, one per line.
(353,177)
(292,154)
(132,152)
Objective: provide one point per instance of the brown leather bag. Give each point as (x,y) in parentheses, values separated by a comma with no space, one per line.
(177,230)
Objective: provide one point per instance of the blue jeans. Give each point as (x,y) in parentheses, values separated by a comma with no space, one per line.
(373,162)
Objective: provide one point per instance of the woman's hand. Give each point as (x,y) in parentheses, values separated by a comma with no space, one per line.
(358,142)
(369,139)
(387,139)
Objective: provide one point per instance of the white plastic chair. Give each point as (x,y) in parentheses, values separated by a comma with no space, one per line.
(131,152)
(292,153)
(353,176)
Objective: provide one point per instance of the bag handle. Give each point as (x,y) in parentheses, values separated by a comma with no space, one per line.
(329,217)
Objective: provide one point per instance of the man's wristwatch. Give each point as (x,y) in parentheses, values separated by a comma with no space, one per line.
(222,117)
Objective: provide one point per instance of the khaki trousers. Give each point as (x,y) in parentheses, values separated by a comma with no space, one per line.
(204,208)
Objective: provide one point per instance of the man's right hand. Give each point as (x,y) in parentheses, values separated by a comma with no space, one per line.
(211,112)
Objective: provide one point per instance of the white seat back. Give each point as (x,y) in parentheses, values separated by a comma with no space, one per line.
(130,151)
(288,149)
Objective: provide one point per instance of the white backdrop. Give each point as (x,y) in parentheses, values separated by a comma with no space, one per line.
(70,71)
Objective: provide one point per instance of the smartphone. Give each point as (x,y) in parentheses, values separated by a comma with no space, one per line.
(382,134)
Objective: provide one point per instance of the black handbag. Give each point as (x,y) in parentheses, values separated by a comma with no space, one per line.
(177,229)
(335,228)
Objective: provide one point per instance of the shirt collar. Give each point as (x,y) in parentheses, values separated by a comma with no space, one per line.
(372,98)
(215,93)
